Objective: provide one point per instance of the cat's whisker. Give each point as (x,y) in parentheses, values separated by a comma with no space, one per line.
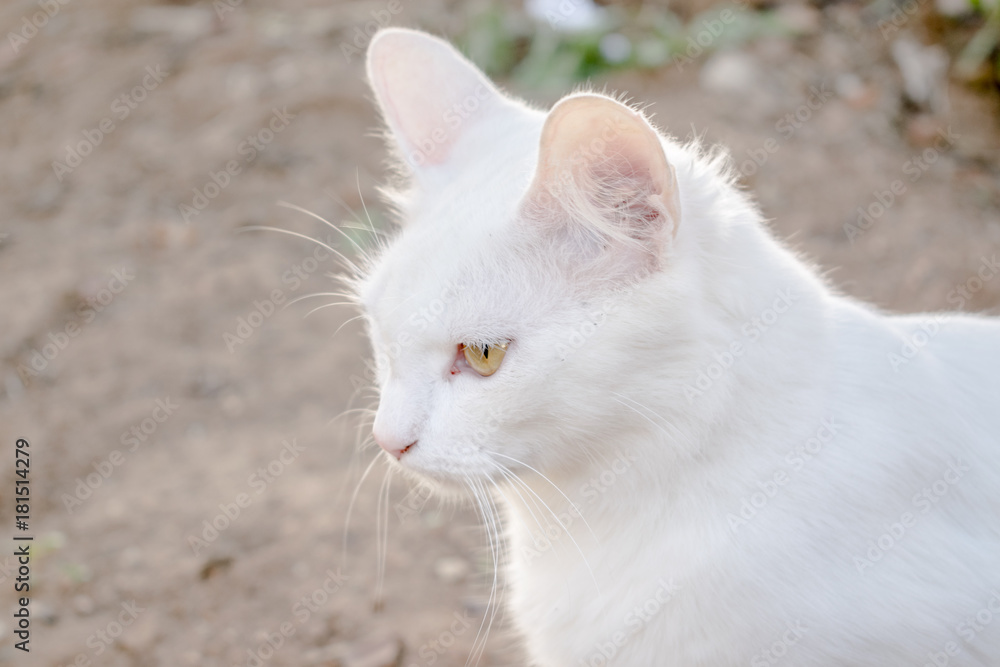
(504,559)
(554,486)
(385,526)
(370,228)
(378,542)
(555,516)
(354,497)
(474,494)
(509,476)
(352,411)
(364,253)
(498,561)
(315,294)
(344,324)
(363,425)
(357,180)
(382,534)
(342,256)
(535,499)
(492,534)
(330,305)
(676,432)
(378,233)
(346,279)
(401,304)
(370,388)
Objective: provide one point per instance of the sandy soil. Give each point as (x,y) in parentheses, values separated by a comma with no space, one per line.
(146,420)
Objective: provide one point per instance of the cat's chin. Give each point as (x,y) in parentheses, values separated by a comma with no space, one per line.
(451,484)
(439,487)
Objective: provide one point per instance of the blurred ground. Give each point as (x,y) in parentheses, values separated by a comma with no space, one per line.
(120,321)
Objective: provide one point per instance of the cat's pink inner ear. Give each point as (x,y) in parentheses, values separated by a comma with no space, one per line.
(598,154)
(429,93)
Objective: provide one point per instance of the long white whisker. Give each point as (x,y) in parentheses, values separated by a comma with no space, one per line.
(356,317)
(382,536)
(369,228)
(342,256)
(551,483)
(504,552)
(513,480)
(315,294)
(644,416)
(487,524)
(558,520)
(329,305)
(354,497)
(535,500)
(496,593)
(329,224)
(482,514)
(357,178)
(352,411)
(385,529)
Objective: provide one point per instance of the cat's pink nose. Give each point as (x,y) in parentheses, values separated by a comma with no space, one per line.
(396,447)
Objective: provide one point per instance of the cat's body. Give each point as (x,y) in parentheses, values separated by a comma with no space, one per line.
(829,470)
(767,472)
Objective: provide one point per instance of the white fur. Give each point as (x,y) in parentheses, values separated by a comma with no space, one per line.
(600,378)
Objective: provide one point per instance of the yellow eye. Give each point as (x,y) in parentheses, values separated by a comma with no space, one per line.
(485,360)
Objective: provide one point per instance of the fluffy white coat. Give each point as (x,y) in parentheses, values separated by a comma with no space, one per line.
(722,460)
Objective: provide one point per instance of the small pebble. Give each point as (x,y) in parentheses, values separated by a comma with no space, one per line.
(451,570)
(730,72)
(44,613)
(83,605)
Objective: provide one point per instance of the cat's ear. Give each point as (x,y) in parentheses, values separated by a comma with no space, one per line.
(602,173)
(429,93)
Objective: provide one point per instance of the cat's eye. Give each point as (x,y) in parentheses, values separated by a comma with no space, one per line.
(485,359)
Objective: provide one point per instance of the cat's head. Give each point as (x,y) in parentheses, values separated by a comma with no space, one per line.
(500,315)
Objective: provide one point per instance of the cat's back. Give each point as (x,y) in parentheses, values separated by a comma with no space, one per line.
(950,361)
(931,357)
(919,399)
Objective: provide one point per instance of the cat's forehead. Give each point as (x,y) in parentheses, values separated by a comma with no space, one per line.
(438,259)
(459,226)
(448,235)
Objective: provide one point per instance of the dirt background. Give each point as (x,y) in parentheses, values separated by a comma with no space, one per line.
(86,355)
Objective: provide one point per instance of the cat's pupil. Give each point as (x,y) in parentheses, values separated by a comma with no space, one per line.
(486,351)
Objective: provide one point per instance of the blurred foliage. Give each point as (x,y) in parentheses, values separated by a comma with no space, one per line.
(984,47)
(536,55)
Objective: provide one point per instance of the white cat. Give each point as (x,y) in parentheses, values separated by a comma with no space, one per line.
(705,455)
